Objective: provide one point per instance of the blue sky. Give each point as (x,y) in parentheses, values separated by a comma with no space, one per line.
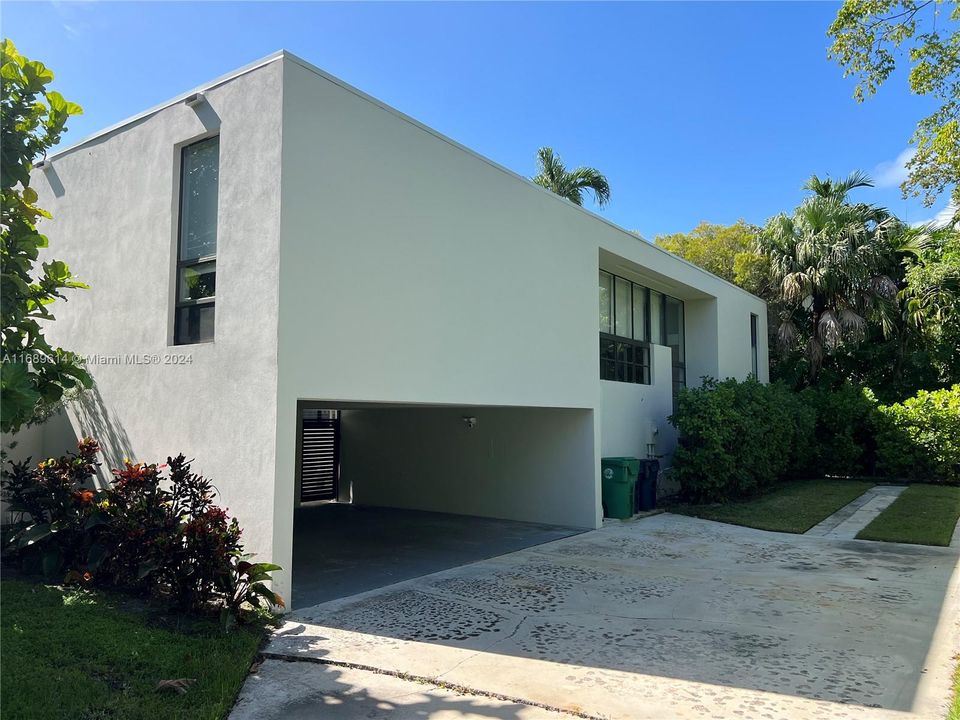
(694,111)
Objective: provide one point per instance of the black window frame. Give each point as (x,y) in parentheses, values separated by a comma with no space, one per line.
(624,359)
(755,344)
(679,367)
(621,362)
(179,302)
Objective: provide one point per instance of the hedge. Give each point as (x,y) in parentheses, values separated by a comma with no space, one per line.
(919,439)
(737,439)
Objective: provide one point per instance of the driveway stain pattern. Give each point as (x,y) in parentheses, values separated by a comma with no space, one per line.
(666,617)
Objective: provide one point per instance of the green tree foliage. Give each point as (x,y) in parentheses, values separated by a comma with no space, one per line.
(828,263)
(553,175)
(728,251)
(868,36)
(931,299)
(33,374)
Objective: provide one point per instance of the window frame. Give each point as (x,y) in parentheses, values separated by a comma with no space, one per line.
(180,264)
(678,368)
(620,369)
(755,345)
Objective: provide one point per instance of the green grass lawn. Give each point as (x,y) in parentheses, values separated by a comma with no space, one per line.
(78,654)
(792,507)
(954,712)
(923,515)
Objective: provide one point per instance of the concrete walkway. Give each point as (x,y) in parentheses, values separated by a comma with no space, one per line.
(326,692)
(853,517)
(667,617)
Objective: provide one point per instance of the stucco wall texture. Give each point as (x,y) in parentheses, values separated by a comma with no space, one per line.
(114,204)
(362,258)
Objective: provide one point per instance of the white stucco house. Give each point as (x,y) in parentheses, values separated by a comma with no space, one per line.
(318,297)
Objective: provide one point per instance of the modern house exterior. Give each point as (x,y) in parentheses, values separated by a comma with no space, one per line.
(317,297)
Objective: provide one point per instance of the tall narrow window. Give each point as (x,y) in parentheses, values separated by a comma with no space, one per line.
(606,302)
(674,328)
(639,312)
(656,318)
(753,343)
(674,338)
(623,311)
(197,242)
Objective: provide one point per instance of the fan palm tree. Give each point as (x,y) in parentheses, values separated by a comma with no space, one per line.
(827,265)
(570,184)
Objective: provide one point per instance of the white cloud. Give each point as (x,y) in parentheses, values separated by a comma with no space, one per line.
(73,15)
(941,219)
(891,173)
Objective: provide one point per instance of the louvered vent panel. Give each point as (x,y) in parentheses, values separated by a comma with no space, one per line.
(319,459)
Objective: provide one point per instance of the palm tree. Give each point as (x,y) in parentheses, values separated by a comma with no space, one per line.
(827,264)
(570,184)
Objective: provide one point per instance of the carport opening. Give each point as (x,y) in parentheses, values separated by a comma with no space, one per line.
(386,493)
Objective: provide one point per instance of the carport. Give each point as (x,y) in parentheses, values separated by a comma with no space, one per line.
(389,492)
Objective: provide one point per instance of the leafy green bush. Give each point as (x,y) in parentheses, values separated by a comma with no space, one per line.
(737,438)
(844,433)
(53,502)
(919,439)
(150,533)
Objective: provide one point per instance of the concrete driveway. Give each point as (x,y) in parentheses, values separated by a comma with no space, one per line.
(666,617)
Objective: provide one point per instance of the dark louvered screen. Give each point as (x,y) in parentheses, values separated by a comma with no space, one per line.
(320,458)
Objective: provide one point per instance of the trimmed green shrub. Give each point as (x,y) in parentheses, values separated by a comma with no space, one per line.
(919,439)
(737,438)
(843,440)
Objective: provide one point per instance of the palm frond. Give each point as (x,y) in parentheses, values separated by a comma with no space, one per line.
(553,175)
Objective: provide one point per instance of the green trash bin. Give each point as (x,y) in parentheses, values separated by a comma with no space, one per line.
(618,484)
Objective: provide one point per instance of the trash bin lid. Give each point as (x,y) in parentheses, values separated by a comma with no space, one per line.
(619,461)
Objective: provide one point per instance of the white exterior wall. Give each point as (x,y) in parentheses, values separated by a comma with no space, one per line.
(630,412)
(413,271)
(517,463)
(113,202)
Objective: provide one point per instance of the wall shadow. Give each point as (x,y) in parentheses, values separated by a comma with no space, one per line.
(93,418)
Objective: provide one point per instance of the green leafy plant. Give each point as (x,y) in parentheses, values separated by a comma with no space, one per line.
(844,438)
(33,373)
(154,530)
(870,38)
(919,439)
(828,263)
(553,175)
(53,504)
(737,438)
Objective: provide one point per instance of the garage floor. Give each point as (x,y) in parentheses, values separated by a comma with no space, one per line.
(666,617)
(341,550)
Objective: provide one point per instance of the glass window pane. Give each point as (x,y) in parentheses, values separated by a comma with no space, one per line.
(674,327)
(753,343)
(624,314)
(656,331)
(194,324)
(199,183)
(198,281)
(606,299)
(639,312)
(608,370)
